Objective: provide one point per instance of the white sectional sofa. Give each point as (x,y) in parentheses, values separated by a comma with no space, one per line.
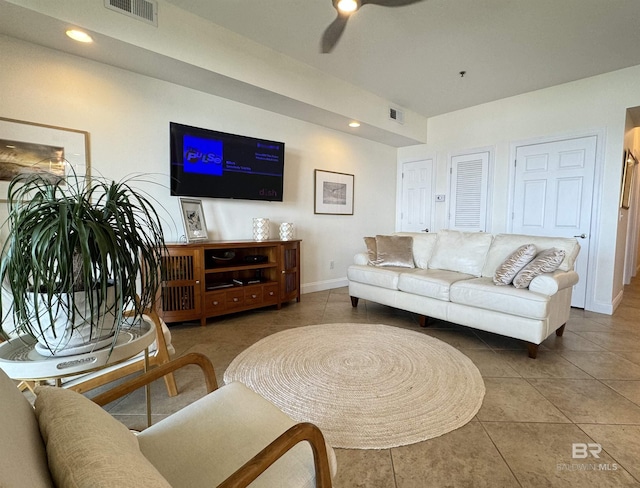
(452,278)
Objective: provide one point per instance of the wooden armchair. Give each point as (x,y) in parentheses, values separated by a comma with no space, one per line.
(230,438)
(323,458)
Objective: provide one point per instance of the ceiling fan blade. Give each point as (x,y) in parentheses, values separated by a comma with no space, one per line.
(333,32)
(389,3)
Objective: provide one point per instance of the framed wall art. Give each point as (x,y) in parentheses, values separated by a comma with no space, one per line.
(628,165)
(195,227)
(30,147)
(333,193)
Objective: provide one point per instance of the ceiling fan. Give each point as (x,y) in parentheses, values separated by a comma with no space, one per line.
(345,8)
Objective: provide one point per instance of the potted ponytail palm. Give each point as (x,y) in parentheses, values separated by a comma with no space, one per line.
(73,257)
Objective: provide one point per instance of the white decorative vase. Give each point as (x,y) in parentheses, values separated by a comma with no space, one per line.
(260,229)
(286,231)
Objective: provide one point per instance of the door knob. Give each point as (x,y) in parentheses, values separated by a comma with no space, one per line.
(424,230)
(581,236)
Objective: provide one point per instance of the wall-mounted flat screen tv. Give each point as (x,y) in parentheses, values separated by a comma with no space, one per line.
(208,163)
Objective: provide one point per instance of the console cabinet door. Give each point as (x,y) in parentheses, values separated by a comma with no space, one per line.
(181,287)
(290,270)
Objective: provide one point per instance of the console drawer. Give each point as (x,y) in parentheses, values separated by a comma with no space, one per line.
(215,303)
(234,299)
(270,293)
(253,296)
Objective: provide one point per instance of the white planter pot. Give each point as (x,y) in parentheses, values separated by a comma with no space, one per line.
(61,338)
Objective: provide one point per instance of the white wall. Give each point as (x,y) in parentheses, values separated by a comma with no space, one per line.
(593,105)
(128,115)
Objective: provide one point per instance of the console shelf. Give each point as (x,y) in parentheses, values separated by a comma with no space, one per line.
(214,278)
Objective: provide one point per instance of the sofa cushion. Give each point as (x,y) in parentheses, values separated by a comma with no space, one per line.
(432,283)
(87,447)
(505,244)
(385,277)
(23,459)
(394,251)
(464,252)
(545,262)
(511,266)
(423,244)
(482,293)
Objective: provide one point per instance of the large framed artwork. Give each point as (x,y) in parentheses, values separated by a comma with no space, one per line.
(195,227)
(333,193)
(29,147)
(628,165)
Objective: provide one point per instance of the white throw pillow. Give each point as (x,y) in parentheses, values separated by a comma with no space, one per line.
(508,270)
(545,262)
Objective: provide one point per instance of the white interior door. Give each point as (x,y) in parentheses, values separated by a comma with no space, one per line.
(417,196)
(553,195)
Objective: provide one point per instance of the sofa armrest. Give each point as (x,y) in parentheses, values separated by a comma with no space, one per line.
(361,258)
(550,283)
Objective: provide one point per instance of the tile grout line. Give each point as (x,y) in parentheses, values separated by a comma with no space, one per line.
(515,477)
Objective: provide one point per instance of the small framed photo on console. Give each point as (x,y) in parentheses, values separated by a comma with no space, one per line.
(195,228)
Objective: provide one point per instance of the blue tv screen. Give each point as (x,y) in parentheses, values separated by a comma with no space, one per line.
(212,164)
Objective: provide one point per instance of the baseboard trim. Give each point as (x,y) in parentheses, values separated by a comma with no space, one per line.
(616,301)
(323,285)
(605,308)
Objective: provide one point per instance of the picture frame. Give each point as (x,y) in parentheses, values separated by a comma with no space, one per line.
(195,227)
(628,165)
(333,193)
(28,147)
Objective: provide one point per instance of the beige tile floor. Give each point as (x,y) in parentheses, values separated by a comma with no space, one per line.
(582,388)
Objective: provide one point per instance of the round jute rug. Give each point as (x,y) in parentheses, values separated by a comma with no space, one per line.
(367,386)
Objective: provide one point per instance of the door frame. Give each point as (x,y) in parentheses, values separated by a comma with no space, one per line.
(600,134)
(434,174)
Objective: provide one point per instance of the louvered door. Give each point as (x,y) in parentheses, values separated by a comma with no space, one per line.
(469,188)
(181,285)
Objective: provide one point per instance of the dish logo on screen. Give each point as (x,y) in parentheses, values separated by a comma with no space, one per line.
(203,156)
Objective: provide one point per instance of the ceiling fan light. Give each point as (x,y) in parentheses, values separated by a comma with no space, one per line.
(347,6)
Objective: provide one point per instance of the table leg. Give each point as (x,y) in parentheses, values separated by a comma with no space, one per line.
(147,388)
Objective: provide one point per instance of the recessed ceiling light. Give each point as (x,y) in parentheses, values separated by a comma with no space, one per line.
(354,124)
(347,6)
(78,35)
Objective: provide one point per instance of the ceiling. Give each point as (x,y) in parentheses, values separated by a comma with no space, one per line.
(412,55)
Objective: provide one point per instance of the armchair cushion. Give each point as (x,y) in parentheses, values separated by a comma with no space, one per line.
(87,447)
(214,436)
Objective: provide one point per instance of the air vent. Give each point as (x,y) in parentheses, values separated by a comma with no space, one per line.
(397,115)
(144,10)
